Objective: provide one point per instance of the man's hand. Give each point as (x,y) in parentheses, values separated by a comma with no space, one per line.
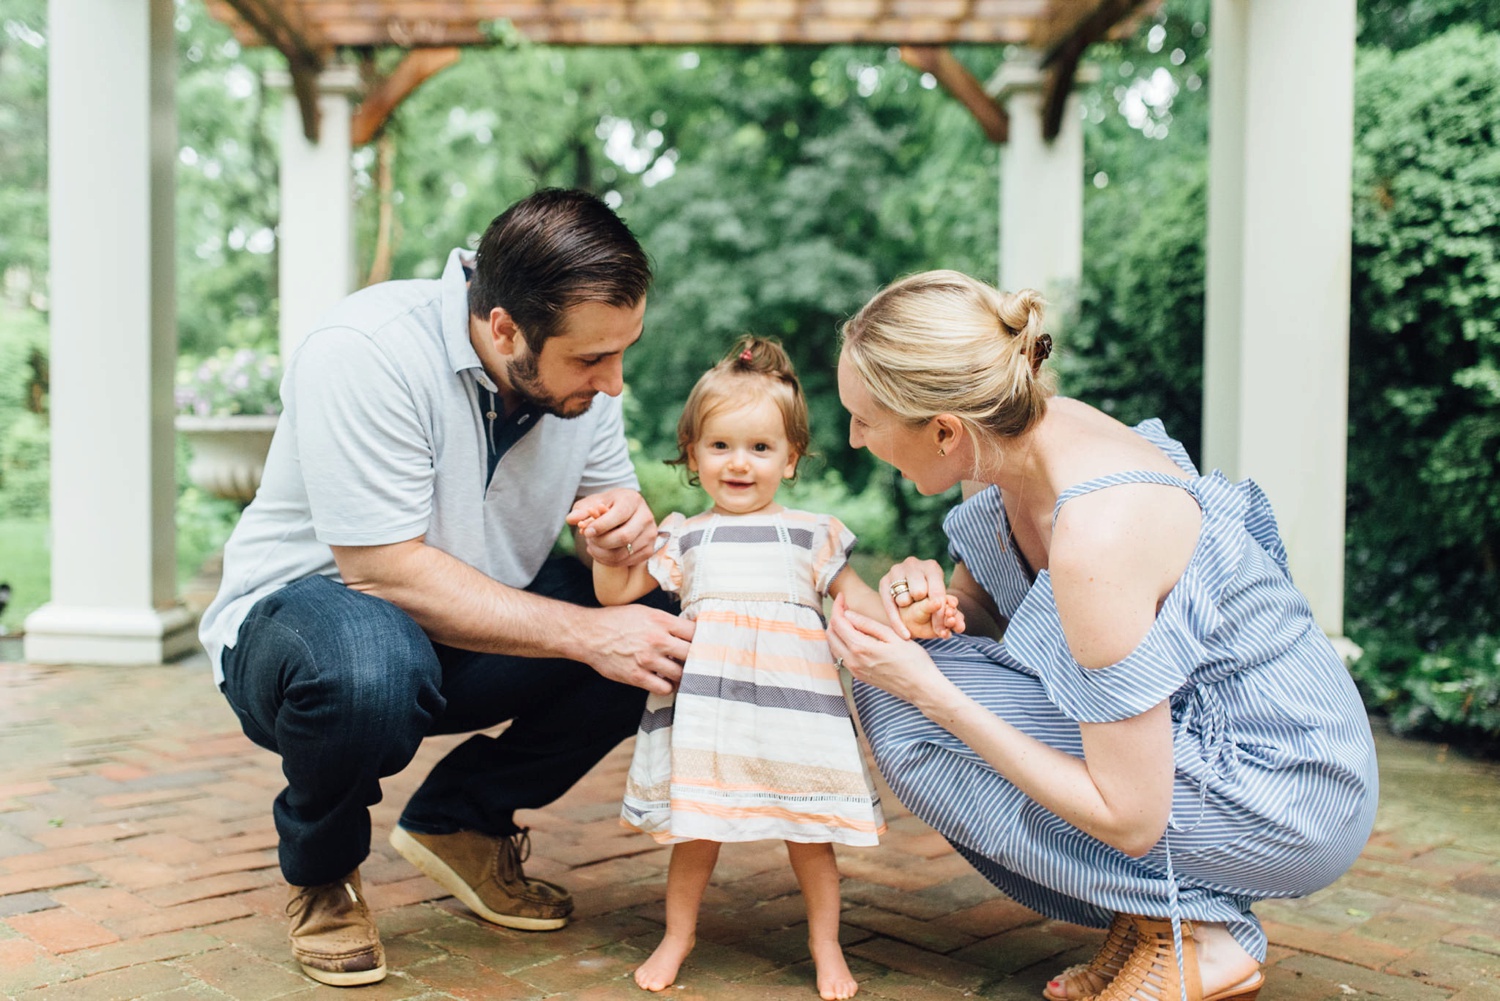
(616,526)
(640,646)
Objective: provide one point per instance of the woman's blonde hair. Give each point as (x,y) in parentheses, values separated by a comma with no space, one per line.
(940,342)
(754,366)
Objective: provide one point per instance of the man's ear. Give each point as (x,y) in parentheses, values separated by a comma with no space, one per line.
(504,333)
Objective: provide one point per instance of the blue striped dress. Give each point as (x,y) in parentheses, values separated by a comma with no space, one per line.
(1275,787)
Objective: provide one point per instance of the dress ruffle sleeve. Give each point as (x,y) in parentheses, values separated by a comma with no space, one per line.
(1157,668)
(666,562)
(831,545)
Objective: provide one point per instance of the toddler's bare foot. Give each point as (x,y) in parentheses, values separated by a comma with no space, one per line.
(659,971)
(835,982)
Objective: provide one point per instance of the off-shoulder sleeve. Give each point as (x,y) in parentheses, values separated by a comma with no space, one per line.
(666,562)
(1159,665)
(832,544)
(973,528)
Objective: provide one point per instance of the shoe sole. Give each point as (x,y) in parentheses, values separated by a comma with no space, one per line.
(344,979)
(439,872)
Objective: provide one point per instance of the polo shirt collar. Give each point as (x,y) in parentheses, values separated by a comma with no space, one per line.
(455,284)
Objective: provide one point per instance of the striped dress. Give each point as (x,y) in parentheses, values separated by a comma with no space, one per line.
(1275,786)
(757,742)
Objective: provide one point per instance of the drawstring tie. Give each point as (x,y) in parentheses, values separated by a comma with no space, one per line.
(1204,712)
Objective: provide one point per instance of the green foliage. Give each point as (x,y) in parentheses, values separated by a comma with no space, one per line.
(243,381)
(1135,346)
(1452,691)
(24,466)
(1424,495)
(1401,24)
(23,141)
(26,565)
(226,188)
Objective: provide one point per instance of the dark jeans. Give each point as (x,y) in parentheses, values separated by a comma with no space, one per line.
(344,686)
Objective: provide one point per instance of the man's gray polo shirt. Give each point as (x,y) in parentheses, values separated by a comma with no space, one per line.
(382,439)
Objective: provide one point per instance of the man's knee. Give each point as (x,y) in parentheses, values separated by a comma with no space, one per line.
(347,665)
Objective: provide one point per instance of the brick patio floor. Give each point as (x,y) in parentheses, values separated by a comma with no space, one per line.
(137,859)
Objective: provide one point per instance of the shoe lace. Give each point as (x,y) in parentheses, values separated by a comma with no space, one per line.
(513,850)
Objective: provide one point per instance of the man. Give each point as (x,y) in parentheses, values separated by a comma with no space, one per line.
(392,580)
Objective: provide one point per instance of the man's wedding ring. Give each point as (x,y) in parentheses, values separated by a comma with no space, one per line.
(839,663)
(899,587)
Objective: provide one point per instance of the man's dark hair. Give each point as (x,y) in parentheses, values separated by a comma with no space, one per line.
(552,250)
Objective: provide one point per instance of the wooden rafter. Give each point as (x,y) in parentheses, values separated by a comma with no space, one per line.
(961,84)
(443,23)
(282,27)
(387,93)
(1060,57)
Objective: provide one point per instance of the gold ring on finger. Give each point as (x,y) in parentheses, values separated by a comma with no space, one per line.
(899,587)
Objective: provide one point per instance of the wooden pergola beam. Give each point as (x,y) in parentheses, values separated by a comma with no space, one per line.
(1060,56)
(280,25)
(961,84)
(386,95)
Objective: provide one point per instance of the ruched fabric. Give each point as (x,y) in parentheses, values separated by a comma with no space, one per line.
(1275,784)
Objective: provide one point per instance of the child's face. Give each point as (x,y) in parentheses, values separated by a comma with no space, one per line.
(742,455)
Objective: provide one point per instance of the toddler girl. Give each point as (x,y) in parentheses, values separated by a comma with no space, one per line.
(757,742)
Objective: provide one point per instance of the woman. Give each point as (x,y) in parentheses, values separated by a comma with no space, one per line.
(1164,735)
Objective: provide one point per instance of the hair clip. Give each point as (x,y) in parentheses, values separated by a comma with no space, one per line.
(745,355)
(1043,349)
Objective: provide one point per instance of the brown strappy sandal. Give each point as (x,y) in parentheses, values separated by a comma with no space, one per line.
(1084,980)
(1150,974)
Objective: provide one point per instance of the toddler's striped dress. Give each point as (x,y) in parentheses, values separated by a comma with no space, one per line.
(757,742)
(1275,786)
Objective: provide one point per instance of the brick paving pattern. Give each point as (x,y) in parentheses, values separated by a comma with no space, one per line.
(138,860)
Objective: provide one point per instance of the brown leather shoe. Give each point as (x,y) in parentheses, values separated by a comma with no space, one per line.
(333,936)
(484,872)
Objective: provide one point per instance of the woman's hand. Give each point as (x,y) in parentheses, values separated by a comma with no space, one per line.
(875,654)
(919,583)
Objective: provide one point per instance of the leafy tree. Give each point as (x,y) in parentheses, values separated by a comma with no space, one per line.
(1135,349)
(1401,24)
(23,146)
(1424,511)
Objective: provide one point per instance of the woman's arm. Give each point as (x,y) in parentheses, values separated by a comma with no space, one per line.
(1116,802)
(1113,559)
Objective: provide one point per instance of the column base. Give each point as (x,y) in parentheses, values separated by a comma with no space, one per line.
(75,634)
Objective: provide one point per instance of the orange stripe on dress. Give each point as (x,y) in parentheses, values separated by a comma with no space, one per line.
(755,624)
(776,813)
(821,670)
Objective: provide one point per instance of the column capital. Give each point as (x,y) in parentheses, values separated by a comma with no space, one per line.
(337,78)
(1024,74)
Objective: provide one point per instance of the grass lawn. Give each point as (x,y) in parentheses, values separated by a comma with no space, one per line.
(26,565)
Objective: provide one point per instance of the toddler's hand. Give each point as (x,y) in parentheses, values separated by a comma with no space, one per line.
(585,510)
(932,619)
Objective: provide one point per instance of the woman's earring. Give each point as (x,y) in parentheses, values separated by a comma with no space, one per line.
(942,451)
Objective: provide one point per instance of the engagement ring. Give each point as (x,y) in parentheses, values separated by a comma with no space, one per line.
(899,587)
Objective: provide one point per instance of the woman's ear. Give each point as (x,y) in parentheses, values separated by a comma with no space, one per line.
(948,432)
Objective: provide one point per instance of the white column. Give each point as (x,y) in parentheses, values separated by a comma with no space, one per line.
(1276,359)
(315,235)
(1041,192)
(112,144)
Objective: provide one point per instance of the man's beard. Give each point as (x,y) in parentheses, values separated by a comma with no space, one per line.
(525,381)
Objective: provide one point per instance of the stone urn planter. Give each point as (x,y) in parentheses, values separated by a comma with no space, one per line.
(229,453)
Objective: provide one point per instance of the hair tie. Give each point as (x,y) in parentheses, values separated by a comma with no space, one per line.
(1042,351)
(745,355)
